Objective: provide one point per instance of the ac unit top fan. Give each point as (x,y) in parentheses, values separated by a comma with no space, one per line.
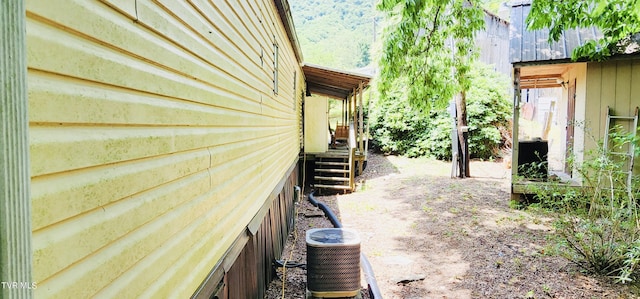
(333,262)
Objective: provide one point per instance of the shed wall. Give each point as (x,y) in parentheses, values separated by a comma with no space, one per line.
(155,137)
(576,74)
(613,84)
(493,43)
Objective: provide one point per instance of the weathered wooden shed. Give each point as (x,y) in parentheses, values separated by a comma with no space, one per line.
(164,138)
(586,90)
(493,43)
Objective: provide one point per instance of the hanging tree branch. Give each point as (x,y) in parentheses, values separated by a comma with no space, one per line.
(419,66)
(433,30)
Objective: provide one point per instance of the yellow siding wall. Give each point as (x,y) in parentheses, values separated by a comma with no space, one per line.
(155,138)
(613,84)
(316,125)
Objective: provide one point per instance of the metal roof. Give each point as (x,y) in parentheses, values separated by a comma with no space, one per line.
(332,82)
(532,47)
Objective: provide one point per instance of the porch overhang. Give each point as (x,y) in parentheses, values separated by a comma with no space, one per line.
(542,75)
(331,82)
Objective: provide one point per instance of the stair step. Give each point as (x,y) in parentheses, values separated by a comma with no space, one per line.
(331,170)
(332,163)
(335,187)
(334,155)
(331,178)
(622,117)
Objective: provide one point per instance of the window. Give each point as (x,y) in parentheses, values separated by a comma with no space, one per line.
(295,81)
(275,67)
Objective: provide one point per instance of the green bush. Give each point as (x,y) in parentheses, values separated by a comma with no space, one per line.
(597,225)
(399,128)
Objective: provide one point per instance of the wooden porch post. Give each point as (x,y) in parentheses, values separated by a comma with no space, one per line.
(344,112)
(360,128)
(348,118)
(360,119)
(517,93)
(367,130)
(15,204)
(354,103)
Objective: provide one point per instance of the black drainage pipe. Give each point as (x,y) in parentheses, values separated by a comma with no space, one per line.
(374,290)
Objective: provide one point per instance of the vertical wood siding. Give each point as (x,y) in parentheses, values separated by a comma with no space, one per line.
(250,275)
(493,43)
(155,137)
(612,84)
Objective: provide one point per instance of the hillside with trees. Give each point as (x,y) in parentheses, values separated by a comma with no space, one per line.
(335,33)
(342,33)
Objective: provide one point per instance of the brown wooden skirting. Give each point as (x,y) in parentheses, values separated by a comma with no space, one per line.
(246,269)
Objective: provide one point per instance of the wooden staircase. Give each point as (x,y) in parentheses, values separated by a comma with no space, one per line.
(333,171)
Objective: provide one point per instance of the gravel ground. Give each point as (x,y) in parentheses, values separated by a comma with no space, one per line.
(430,236)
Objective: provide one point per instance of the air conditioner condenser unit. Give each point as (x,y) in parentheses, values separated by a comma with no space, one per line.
(333,262)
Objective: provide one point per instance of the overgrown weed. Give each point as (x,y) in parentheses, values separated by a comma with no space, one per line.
(597,225)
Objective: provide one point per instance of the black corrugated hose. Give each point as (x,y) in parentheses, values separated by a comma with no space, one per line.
(374,291)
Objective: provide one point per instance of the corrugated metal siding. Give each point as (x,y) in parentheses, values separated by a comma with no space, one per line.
(155,137)
(612,84)
(532,46)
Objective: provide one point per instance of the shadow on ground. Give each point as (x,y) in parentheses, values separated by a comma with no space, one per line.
(430,236)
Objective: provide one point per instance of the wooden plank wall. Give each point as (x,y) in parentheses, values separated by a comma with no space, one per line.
(493,43)
(155,137)
(612,84)
(244,280)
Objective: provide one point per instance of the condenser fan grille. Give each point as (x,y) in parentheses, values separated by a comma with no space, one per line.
(333,262)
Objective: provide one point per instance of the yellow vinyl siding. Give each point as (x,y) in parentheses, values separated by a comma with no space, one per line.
(155,138)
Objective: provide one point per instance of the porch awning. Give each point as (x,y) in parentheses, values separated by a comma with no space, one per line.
(542,76)
(331,82)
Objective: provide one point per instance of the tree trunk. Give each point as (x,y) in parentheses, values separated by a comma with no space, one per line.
(461,106)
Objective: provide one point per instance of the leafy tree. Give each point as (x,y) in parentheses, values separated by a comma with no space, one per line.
(365,56)
(401,129)
(619,21)
(493,5)
(428,47)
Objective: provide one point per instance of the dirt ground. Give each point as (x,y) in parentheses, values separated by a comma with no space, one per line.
(430,236)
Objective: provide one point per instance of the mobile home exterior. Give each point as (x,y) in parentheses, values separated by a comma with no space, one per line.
(164,139)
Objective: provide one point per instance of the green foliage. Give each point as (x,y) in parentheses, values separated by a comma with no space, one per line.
(493,5)
(335,33)
(365,55)
(618,20)
(428,47)
(598,225)
(400,129)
